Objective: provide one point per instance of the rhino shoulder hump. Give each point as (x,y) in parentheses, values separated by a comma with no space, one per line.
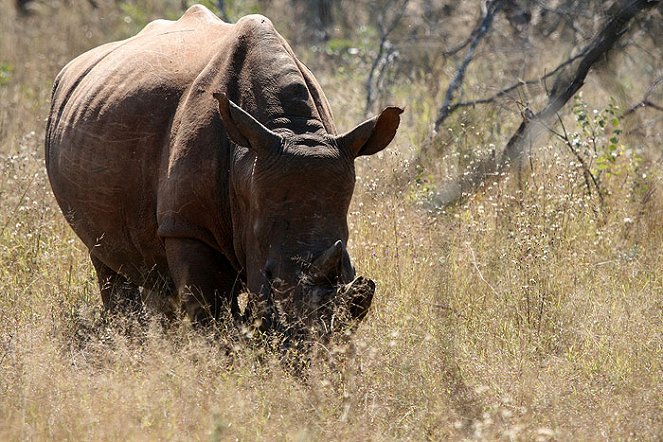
(199,13)
(195,16)
(255,24)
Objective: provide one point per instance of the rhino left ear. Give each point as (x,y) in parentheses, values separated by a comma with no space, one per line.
(372,135)
(244,130)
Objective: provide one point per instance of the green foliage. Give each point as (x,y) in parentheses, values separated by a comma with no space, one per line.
(6,71)
(339,46)
(598,138)
(423,188)
(135,15)
(610,165)
(362,47)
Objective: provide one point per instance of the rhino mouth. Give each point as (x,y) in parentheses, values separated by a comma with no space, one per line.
(340,304)
(359,294)
(326,299)
(311,310)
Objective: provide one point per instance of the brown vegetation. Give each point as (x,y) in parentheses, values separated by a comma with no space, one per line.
(531,311)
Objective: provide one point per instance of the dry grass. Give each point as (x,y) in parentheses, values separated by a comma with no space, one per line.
(526,313)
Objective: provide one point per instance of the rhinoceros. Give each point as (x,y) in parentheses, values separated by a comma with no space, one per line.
(199,160)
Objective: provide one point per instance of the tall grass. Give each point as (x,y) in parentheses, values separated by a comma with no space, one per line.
(530,311)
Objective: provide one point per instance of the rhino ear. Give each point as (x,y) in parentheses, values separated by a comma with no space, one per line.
(372,135)
(243,129)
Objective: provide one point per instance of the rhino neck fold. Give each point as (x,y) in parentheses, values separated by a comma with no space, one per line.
(294,125)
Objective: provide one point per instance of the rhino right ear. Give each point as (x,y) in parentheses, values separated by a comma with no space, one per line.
(372,135)
(244,130)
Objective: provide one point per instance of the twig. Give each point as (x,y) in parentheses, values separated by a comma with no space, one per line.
(587,173)
(385,31)
(453,107)
(566,15)
(492,8)
(646,102)
(18,205)
(476,267)
(459,47)
(454,50)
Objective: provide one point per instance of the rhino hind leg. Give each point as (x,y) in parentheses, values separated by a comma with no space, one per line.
(117,292)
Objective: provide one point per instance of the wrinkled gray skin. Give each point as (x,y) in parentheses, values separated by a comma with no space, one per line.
(199,159)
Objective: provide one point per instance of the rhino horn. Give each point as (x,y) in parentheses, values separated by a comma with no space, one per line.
(244,130)
(327,267)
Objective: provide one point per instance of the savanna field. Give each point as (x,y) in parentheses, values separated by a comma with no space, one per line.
(530,309)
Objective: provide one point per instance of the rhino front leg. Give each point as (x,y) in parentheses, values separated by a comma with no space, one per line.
(204,278)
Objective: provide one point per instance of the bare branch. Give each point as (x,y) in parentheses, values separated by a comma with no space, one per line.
(641,105)
(462,45)
(455,106)
(492,8)
(646,102)
(568,15)
(385,31)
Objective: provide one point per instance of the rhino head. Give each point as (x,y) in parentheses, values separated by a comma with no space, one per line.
(291,195)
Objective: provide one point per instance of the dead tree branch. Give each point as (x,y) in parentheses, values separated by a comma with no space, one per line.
(383,47)
(486,100)
(646,100)
(491,9)
(462,45)
(534,125)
